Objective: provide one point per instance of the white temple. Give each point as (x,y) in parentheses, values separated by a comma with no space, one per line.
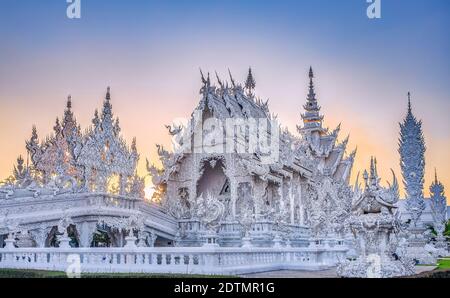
(221,190)
(237,194)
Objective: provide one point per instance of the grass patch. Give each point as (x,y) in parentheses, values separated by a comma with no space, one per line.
(22,273)
(18,273)
(443,264)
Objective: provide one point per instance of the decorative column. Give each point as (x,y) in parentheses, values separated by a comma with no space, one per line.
(40,235)
(281,203)
(280,191)
(10,241)
(151,239)
(233,195)
(291,202)
(130,240)
(86,232)
(258,190)
(142,241)
(300,204)
(64,240)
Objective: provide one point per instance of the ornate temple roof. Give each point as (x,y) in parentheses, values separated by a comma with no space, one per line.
(226,101)
(70,160)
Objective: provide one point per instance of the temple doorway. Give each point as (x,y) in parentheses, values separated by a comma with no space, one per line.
(213,180)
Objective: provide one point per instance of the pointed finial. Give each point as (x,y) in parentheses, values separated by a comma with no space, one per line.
(375,167)
(69,102)
(409,101)
(218,80)
(356,187)
(366,178)
(435,176)
(231,78)
(311,93)
(250,83)
(353,154)
(133,145)
(108,93)
(203,77)
(372,168)
(345,142)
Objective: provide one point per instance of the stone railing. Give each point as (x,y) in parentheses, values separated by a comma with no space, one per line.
(186,260)
(76,201)
(33,213)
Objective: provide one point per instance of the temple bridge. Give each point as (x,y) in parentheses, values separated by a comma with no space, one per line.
(37,218)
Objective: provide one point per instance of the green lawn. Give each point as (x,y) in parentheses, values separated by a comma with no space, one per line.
(18,273)
(443,264)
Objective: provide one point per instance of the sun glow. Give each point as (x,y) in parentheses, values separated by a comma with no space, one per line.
(149,191)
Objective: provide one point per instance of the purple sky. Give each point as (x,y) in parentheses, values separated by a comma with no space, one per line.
(149,52)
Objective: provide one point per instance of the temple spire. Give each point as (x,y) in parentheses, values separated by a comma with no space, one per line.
(311,93)
(108,93)
(250,83)
(373,168)
(409,102)
(311,76)
(107,114)
(438,204)
(69,102)
(68,122)
(312,120)
(412,162)
(107,104)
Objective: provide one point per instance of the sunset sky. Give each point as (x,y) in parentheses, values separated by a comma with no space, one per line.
(150,53)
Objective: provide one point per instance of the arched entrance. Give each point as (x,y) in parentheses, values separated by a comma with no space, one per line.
(213,180)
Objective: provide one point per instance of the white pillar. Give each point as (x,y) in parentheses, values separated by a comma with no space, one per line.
(10,241)
(86,231)
(40,235)
(64,240)
(291,202)
(233,195)
(130,240)
(300,204)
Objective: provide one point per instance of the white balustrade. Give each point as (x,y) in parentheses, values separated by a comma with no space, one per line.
(199,260)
